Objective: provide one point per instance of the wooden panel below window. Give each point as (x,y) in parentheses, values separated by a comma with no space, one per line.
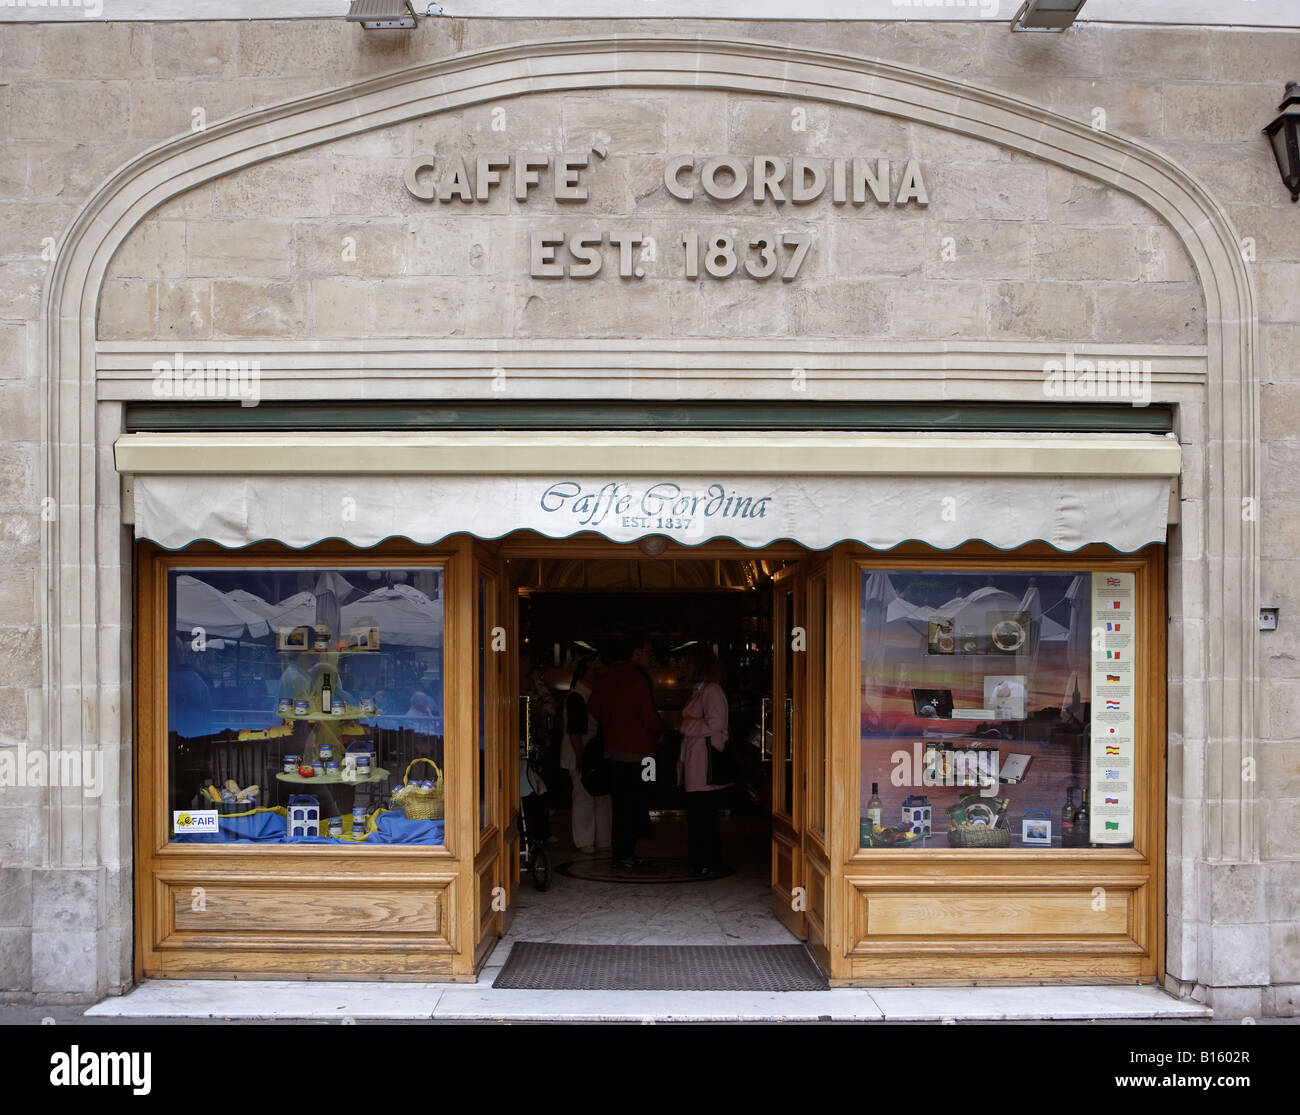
(341,905)
(267,925)
(311,908)
(995,913)
(1026,927)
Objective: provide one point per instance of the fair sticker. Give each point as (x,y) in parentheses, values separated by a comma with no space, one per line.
(194,820)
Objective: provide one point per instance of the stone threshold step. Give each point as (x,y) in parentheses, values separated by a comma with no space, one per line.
(346,1001)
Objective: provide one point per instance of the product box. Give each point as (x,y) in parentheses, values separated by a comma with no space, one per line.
(917,813)
(293,638)
(1013,768)
(363,638)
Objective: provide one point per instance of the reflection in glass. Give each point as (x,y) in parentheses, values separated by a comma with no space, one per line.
(297,699)
(975,708)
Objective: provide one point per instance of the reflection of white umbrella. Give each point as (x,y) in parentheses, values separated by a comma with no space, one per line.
(198,604)
(1033,604)
(298,610)
(252,602)
(1079,594)
(971,610)
(332,591)
(879,599)
(982,600)
(1052,632)
(402,613)
(897,608)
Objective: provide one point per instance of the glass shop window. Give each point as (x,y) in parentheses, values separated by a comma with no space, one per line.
(997,709)
(305,706)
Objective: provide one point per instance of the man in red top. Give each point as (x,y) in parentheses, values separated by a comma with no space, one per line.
(623,705)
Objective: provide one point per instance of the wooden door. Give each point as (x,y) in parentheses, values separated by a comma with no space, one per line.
(512,735)
(493,721)
(813,711)
(788,806)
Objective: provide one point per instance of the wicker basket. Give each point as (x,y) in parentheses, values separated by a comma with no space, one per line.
(979,836)
(417,802)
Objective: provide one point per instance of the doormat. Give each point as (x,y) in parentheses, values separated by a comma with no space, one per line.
(539,966)
(655,870)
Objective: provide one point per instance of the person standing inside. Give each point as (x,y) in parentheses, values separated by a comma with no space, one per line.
(623,703)
(703,726)
(590,814)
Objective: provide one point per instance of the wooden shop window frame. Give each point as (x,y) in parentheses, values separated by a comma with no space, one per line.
(1140,867)
(160,950)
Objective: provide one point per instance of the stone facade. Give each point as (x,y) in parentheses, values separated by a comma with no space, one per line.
(1015,254)
(292,248)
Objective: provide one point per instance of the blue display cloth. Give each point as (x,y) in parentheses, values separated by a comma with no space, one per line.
(394,828)
(390,828)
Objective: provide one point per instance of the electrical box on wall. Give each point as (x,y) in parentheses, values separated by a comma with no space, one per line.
(1268,619)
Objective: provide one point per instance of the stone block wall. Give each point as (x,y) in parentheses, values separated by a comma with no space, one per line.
(1005,249)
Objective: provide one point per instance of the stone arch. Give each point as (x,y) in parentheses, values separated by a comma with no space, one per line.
(1218,582)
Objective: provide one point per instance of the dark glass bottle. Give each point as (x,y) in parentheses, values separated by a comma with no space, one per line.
(1067,820)
(1082,823)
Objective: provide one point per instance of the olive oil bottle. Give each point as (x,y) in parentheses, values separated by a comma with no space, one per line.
(1082,829)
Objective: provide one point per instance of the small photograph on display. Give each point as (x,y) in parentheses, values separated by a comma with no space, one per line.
(943,637)
(1008,632)
(1005,696)
(933,703)
(1036,827)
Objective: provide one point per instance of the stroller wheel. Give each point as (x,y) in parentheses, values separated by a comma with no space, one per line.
(539,866)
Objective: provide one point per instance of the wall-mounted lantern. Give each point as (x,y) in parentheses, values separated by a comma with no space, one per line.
(382,14)
(1286,145)
(1047,15)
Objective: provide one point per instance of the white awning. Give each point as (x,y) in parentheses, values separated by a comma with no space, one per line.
(816,489)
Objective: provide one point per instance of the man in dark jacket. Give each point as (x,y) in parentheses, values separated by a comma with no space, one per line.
(623,704)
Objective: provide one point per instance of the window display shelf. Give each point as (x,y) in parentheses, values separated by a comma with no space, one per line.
(330,650)
(377,774)
(332,718)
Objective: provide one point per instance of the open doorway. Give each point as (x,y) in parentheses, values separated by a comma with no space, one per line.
(576,610)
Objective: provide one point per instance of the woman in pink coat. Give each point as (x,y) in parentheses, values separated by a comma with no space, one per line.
(704,724)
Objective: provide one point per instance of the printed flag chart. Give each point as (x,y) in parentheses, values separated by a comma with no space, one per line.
(1114,684)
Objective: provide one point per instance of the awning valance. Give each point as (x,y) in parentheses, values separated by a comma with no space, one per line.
(757,488)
